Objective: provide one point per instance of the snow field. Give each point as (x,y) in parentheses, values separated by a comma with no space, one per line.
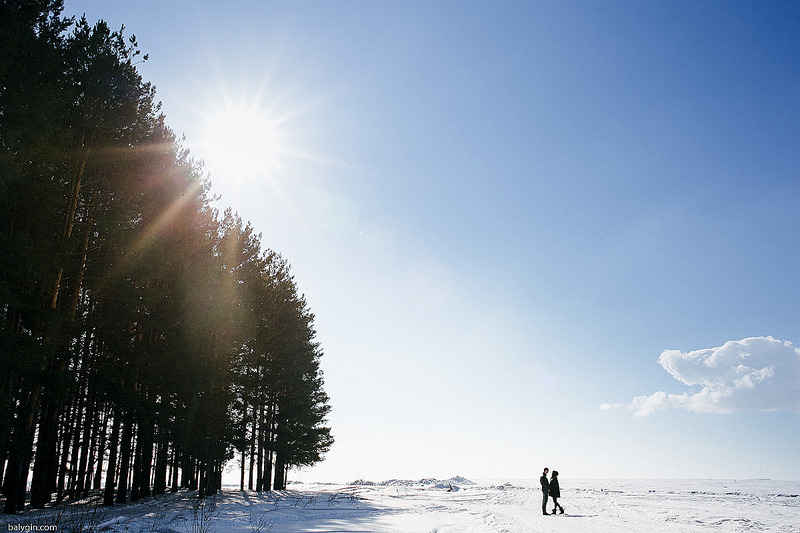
(455,505)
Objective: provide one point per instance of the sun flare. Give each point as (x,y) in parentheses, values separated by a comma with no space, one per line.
(254,142)
(241,139)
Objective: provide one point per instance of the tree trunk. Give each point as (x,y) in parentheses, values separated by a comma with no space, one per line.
(269,438)
(13,473)
(101,450)
(241,477)
(267,476)
(73,306)
(125,461)
(88,436)
(187,472)
(201,493)
(145,458)
(46,456)
(175,463)
(111,469)
(252,453)
(19,457)
(260,450)
(211,478)
(197,471)
(137,467)
(160,481)
(67,429)
(95,461)
(80,422)
(190,472)
(280,472)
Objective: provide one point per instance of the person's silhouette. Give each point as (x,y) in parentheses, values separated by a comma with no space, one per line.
(545,490)
(555,492)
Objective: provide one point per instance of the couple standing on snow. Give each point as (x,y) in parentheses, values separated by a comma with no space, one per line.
(550,488)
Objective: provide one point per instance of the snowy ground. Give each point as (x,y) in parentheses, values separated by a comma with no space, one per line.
(449,506)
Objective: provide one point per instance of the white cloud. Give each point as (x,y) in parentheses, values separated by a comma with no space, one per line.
(754,374)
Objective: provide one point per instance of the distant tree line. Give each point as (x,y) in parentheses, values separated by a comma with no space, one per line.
(145,338)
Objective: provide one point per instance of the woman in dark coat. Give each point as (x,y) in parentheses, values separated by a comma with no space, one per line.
(555,492)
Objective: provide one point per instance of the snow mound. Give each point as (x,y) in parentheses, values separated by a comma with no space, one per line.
(427,482)
(446,486)
(108,525)
(461,480)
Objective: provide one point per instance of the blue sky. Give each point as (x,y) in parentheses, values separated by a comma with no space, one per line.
(502,214)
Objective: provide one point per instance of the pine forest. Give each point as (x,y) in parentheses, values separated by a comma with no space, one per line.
(146,338)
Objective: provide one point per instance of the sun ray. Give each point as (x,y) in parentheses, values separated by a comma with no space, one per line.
(149,233)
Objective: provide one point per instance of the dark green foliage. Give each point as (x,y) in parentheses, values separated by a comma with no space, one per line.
(141,335)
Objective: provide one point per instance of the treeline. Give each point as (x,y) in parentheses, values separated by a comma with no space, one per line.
(145,338)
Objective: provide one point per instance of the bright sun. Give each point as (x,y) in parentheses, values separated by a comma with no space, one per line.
(241,139)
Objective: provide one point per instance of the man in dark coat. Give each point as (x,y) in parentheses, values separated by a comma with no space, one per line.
(545,490)
(555,492)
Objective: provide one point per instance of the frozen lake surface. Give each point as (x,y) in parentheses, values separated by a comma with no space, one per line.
(452,505)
